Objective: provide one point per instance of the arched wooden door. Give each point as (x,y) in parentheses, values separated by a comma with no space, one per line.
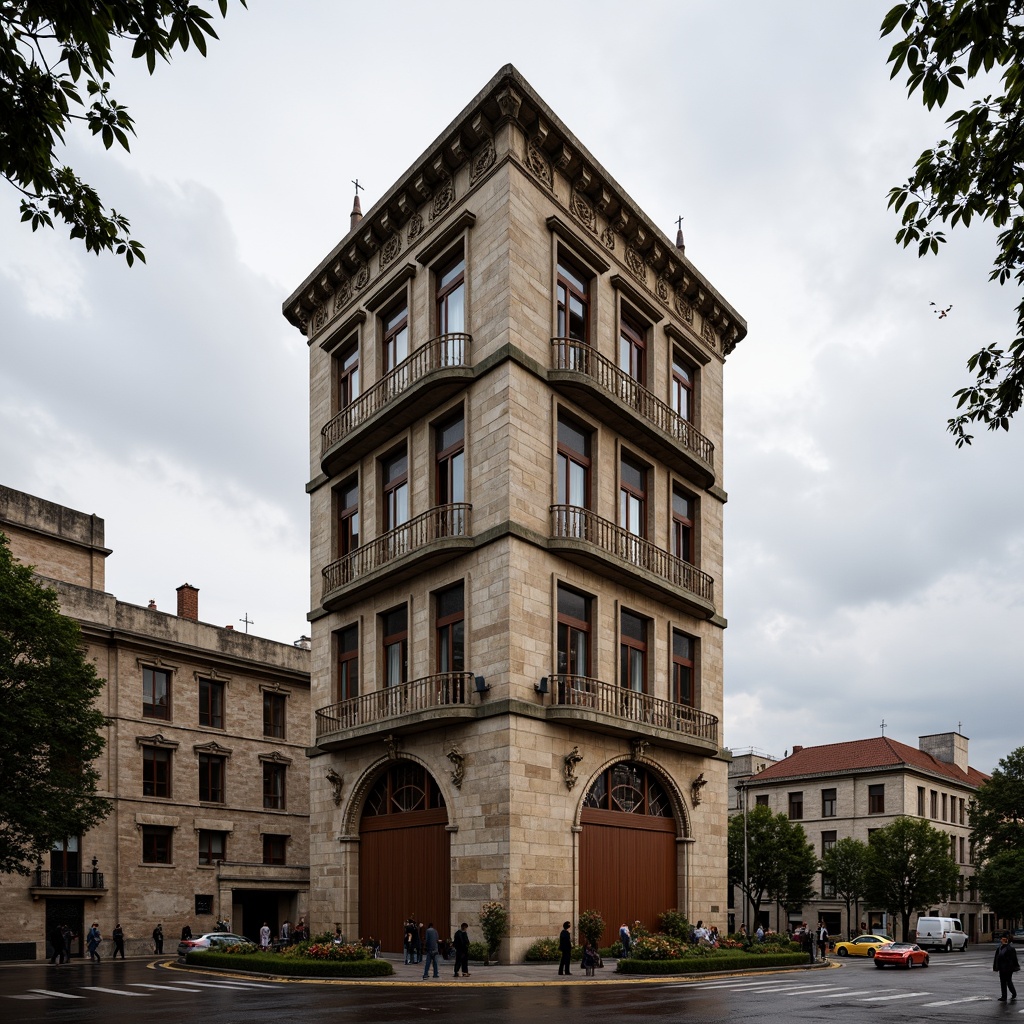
(628,850)
(404,858)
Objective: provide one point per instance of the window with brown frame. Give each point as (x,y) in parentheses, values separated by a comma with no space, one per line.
(682,524)
(761,800)
(450,609)
(395,628)
(395,324)
(403,788)
(632,652)
(348,517)
(630,789)
(346,368)
(348,663)
(395,470)
(573,289)
(632,496)
(796,806)
(633,349)
(828,804)
(274,786)
(934,801)
(156,693)
(683,376)
(156,772)
(211,846)
(573,632)
(451,297)
(211,778)
(876,799)
(573,463)
(156,844)
(450,456)
(274,714)
(211,703)
(275,849)
(943,806)
(683,663)
(920,801)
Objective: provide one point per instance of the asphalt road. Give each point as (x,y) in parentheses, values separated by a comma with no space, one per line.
(956,987)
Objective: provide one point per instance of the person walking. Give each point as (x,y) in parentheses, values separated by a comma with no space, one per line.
(625,939)
(407,939)
(417,942)
(68,936)
(589,961)
(118,936)
(265,936)
(822,941)
(807,940)
(565,948)
(286,934)
(461,944)
(93,939)
(57,945)
(1006,963)
(430,950)
(158,939)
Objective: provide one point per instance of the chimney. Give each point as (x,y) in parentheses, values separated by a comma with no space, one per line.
(188,602)
(152,605)
(797,748)
(950,747)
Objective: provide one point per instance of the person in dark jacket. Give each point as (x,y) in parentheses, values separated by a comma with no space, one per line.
(1006,963)
(565,948)
(461,944)
(118,936)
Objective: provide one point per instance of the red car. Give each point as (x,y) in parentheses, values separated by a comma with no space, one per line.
(901,954)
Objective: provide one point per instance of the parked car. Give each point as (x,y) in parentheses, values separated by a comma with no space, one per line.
(211,940)
(862,945)
(1018,935)
(901,954)
(941,933)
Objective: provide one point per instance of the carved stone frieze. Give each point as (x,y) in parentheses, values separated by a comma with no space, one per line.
(336,782)
(695,789)
(444,196)
(390,249)
(539,163)
(709,334)
(683,307)
(509,102)
(343,294)
(662,289)
(572,759)
(608,239)
(319,316)
(458,772)
(362,278)
(415,227)
(483,160)
(581,209)
(635,263)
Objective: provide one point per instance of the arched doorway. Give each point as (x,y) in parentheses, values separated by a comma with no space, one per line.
(628,857)
(404,860)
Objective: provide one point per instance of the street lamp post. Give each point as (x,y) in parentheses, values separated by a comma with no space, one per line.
(743,889)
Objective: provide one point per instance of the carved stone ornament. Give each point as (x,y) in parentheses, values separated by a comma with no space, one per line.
(343,294)
(637,749)
(443,198)
(391,248)
(336,783)
(362,276)
(508,102)
(662,289)
(483,160)
(708,333)
(582,210)
(572,759)
(683,307)
(415,227)
(391,745)
(695,787)
(635,263)
(608,239)
(539,164)
(319,316)
(458,771)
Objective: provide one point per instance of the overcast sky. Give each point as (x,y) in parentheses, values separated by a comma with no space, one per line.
(872,569)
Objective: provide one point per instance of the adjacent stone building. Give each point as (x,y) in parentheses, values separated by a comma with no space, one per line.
(840,790)
(204,762)
(516,545)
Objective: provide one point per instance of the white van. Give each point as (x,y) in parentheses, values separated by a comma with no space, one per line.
(941,933)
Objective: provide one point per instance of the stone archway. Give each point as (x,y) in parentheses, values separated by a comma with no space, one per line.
(628,848)
(404,855)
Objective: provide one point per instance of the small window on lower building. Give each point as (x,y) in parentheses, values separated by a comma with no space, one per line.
(204,906)
(828,803)
(275,849)
(796,806)
(273,715)
(211,846)
(876,799)
(273,786)
(156,844)
(761,800)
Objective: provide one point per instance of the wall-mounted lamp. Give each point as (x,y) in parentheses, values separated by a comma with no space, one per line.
(542,686)
(481,685)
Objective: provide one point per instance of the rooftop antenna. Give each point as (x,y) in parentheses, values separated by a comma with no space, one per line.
(883,726)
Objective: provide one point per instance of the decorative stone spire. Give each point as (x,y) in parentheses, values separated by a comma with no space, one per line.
(680,244)
(357,210)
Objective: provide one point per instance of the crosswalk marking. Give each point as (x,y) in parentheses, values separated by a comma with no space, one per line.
(56,995)
(902,995)
(115,991)
(952,1002)
(227,984)
(28,995)
(166,988)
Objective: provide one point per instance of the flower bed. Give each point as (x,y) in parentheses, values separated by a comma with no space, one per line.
(694,962)
(342,964)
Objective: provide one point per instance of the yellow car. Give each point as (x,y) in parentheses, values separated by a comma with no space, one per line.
(863,945)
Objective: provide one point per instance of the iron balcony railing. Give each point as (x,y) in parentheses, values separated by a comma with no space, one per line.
(437,691)
(438,523)
(570,522)
(580,357)
(630,706)
(444,352)
(68,879)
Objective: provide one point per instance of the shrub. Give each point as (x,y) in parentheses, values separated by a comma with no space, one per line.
(657,947)
(714,960)
(494,924)
(343,952)
(675,924)
(547,951)
(478,951)
(591,926)
(271,963)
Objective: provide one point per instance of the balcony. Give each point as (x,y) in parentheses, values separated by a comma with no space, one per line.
(408,707)
(586,375)
(67,883)
(433,373)
(427,539)
(598,544)
(620,712)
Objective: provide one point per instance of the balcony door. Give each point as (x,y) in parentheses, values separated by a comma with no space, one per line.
(65,863)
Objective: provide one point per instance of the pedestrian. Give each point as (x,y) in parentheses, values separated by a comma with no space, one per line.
(57,945)
(461,944)
(265,936)
(158,939)
(92,941)
(760,933)
(565,948)
(430,949)
(417,942)
(625,939)
(407,939)
(118,936)
(700,933)
(589,961)
(186,933)
(67,937)
(822,941)
(1006,963)
(300,933)
(286,934)
(807,941)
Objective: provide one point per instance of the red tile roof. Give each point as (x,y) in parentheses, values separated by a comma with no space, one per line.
(861,755)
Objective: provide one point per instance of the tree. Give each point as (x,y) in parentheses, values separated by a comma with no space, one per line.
(50,727)
(845,866)
(997,813)
(777,857)
(1001,883)
(909,868)
(973,174)
(48,52)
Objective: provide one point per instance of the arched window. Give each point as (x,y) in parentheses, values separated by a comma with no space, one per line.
(403,787)
(630,789)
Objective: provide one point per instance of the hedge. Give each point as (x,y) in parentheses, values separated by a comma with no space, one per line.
(271,963)
(725,961)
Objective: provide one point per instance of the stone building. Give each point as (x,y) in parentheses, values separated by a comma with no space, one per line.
(204,761)
(840,790)
(516,537)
